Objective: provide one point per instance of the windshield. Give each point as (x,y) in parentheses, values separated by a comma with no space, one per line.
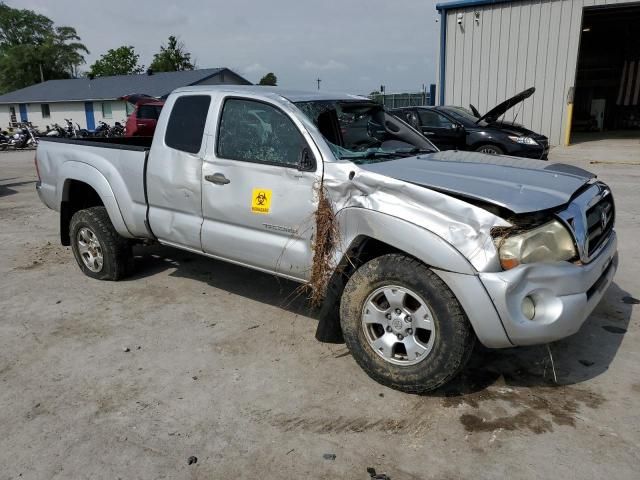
(356,131)
(464,116)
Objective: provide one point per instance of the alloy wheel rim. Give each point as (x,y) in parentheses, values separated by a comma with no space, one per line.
(488,150)
(398,325)
(90,249)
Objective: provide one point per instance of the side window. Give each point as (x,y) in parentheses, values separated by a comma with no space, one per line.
(106,110)
(430,118)
(256,132)
(411,118)
(148,112)
(186,123)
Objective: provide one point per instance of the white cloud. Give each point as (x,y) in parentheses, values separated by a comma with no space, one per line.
(328,65)
(253,68)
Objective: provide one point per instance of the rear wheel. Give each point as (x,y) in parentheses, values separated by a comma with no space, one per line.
(98,248)
(403,325)
(490,149)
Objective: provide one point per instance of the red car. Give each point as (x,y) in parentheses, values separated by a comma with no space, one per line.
(142,121)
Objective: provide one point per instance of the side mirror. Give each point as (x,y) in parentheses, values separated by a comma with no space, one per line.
(307,161)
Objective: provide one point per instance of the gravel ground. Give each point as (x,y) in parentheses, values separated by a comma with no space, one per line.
(195,358)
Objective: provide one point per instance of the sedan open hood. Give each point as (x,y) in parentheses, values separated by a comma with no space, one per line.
(500,109)
(517,184)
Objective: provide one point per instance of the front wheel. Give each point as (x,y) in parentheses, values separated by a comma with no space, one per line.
(98,248)
(490,149)
(403,325)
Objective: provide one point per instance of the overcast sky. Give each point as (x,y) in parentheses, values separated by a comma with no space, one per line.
(352,45)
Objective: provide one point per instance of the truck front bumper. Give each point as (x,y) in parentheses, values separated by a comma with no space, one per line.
(563,294)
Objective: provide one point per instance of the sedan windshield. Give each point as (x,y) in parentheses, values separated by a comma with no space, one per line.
(356,131)
(464,116)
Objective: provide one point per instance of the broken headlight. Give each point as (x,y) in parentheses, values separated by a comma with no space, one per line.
(523,140)
(550,242)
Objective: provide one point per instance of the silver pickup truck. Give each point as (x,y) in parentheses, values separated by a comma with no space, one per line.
(415,253)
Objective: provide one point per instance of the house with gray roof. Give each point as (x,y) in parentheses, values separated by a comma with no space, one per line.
(89,100)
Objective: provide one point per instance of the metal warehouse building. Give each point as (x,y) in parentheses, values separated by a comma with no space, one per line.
(582,56)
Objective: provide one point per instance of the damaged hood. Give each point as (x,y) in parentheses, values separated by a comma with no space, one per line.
(517,184)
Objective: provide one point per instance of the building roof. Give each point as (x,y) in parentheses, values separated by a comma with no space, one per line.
(456,4)
(108,88)
(291,95)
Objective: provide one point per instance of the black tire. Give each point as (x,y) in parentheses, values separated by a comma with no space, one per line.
(490,149)
(454,337)
(117,256)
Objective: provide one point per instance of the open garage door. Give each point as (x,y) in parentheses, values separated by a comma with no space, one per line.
(607,93)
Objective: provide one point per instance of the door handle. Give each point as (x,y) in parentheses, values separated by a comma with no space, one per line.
(427,133)
(217,178)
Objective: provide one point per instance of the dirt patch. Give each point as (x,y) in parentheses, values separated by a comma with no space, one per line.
(115,397)
(523,420)
(80,328)
(37,256)
(535,409)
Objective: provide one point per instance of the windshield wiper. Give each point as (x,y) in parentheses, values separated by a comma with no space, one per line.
(369,155)
(412,151)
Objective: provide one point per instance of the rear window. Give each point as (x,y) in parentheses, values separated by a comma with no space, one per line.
(149,112)
(186,123)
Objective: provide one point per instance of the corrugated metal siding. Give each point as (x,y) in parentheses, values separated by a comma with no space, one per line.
(514,46)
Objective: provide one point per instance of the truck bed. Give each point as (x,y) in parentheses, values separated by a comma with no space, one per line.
(113,167)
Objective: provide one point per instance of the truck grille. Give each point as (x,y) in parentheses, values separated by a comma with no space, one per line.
(591,218)
(600,219)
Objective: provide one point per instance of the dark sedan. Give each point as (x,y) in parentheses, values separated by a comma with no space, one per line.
(456,128)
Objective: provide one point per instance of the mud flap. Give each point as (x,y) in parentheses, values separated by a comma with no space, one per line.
(329,329)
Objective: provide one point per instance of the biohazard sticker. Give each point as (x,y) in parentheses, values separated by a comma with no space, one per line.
(261,200)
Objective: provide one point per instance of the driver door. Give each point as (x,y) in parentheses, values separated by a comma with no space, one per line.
(440,130)
(258,190)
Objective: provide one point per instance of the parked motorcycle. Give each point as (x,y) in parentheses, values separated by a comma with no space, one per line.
(4,140)
(74,130)
(102,130)
(117,130)
(23,137)
(55,130)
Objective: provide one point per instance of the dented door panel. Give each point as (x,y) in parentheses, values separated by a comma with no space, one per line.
(257,213)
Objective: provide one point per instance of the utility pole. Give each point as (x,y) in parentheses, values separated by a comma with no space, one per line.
(318,80)
(41,74)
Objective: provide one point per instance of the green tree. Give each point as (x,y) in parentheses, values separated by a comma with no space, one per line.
(269,79)
(120,61)
(172,58)
(33,49)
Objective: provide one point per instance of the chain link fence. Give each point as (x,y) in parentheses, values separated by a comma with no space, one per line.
(397,100)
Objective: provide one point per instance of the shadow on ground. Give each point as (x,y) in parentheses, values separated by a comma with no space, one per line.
(255,285)
(576,359)
(8,188)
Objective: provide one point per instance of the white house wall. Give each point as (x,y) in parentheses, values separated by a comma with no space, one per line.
(61,110)
(514,46)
